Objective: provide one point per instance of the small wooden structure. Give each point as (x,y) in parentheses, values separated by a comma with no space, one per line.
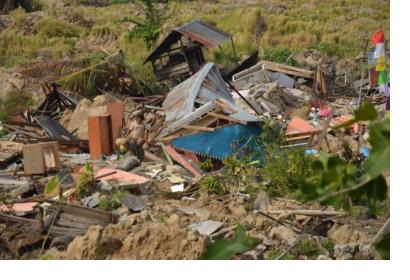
(180,54)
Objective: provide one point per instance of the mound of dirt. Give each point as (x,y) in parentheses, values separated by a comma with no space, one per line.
(137,239)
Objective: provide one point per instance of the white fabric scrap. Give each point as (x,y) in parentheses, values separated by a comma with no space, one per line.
(379,51)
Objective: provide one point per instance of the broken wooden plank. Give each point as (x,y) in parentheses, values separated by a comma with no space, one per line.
(59,231)
(181,160)
(31,222)
(287,69)
(33,159)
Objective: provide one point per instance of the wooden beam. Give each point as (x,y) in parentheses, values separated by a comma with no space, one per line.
(287,69)
(201,128)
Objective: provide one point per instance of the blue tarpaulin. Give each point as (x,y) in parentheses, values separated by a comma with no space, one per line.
(221,143)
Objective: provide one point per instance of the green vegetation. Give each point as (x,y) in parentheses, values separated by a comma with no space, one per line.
(383,247)
(335,181)
(45,257)
(86,181)
(206,165)
(329,246)
(213,185)
(273,254)
(279,174)
(15,102)
(277,29)
(226,249)
(309,248)
(108,204)
(238,175)
(51,28)
(283,167)
(150,28)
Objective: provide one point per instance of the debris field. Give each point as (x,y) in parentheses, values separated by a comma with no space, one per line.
(121,176)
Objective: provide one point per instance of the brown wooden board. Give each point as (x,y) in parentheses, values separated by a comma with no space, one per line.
(33,159)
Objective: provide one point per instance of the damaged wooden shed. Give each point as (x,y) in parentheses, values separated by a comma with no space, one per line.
(180,54)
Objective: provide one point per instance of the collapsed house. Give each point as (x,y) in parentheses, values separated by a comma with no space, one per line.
(198,120)
(180,54)
(201,109)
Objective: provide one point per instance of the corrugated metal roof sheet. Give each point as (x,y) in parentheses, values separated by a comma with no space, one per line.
(199,31)
(204,33)
(53,128)
(206,83)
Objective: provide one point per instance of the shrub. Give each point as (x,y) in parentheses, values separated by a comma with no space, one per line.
(282,168)
(213,185)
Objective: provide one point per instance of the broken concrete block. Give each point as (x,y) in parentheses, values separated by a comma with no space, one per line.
(206,227)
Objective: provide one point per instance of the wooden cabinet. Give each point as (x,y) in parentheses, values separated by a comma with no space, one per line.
(100,136)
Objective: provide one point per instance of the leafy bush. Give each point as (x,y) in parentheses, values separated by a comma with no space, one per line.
(213,185)
(282,168)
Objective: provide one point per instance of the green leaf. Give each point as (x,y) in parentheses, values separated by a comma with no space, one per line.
(379,159)
(383,247)
(52,184)
(366,112)
(226,249)
(376,191)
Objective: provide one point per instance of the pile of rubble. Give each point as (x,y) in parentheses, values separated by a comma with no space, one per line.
(117,177)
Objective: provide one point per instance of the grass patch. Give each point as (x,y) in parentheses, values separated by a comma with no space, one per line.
(309,248)
(336,28)
(15,102)
(273,254)
(51,27)
(329,246)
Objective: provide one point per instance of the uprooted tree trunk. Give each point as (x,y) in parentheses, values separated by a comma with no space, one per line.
(8,5)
